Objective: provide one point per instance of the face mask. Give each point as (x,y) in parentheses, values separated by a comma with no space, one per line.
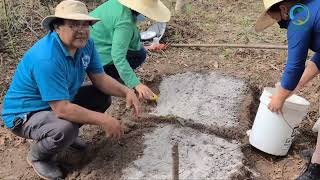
(140,18)
(283,24)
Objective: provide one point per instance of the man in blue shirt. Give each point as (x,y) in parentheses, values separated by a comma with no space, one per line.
(46,100)
(302,20)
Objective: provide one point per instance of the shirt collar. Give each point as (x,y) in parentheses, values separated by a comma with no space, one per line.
(64,50)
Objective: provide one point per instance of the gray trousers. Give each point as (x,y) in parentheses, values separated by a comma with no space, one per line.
(53,134)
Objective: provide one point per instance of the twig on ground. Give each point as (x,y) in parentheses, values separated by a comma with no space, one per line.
(175,162)
(274,67)
(254,46)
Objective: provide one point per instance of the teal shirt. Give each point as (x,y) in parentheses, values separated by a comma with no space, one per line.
(114,35)
(48,73)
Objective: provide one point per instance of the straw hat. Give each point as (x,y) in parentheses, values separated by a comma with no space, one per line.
(69,9)
(265,20)
(153,9)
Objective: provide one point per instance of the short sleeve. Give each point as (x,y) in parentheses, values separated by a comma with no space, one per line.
(95,65)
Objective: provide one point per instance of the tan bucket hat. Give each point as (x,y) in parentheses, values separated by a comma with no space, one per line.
(69,9)
(264,21)
(153,9)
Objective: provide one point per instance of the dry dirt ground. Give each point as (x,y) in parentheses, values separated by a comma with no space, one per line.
(205,21)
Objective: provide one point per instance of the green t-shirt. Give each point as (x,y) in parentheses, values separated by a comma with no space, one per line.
(114,35)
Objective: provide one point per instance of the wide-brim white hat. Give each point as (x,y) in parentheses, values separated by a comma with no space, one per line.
(69,9)
(265,20)
(153,9)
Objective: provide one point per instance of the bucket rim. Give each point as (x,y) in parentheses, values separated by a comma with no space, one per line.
(300,101)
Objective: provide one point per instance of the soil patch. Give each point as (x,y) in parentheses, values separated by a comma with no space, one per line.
(201,156)
(212,101)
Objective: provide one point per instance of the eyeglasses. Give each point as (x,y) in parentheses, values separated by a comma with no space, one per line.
(77,25)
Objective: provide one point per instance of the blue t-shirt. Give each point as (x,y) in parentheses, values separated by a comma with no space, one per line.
(48,73)
(303,34)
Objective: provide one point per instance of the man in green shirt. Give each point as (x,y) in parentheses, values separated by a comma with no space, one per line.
(117,38)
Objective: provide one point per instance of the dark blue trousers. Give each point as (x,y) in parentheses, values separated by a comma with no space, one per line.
(135,59)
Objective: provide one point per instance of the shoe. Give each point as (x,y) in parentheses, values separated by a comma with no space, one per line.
(79,144)
(311,173)
(43,165)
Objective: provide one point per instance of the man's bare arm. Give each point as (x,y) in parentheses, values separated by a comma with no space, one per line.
(108,85)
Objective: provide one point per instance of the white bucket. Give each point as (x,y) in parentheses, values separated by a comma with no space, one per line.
(273,133)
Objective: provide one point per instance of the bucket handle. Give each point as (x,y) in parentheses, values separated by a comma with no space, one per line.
(287,122)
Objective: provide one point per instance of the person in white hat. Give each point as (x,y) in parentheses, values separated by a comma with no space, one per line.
(47,101)
(302,21)
(118,39)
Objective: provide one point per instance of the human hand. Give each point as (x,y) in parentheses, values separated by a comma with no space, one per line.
(276,104)
(132,100)
(112,127)
(144,91)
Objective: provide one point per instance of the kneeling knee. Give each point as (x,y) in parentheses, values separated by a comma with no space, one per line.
(66,133)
